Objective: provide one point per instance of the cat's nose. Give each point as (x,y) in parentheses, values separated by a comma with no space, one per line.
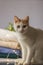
(21,31)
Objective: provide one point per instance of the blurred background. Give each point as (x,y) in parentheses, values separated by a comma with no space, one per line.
(21,8)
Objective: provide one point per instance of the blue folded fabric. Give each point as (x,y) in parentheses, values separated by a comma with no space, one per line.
(10,53)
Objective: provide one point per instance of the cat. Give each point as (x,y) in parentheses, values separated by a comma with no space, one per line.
(30,39)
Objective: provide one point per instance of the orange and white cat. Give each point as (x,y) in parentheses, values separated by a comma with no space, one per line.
(31,41)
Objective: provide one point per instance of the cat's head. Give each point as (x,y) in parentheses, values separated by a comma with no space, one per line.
(21,25)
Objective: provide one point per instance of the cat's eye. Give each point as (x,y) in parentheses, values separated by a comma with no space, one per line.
(18,26)
(24,26)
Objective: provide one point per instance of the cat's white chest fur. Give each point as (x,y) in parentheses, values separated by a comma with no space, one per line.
(24,40)
(25,43)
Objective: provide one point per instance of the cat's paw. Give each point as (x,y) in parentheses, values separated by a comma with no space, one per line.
(20,63)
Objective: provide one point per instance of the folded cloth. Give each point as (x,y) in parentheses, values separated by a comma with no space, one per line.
(8,39)
(13,45)
(7,35)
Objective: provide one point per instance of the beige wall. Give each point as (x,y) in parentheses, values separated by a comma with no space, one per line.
(21,8)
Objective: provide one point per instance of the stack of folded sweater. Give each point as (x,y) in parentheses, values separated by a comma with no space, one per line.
(8,40)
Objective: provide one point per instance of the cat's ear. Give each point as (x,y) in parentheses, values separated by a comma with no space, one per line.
(26,18)
(16,19)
